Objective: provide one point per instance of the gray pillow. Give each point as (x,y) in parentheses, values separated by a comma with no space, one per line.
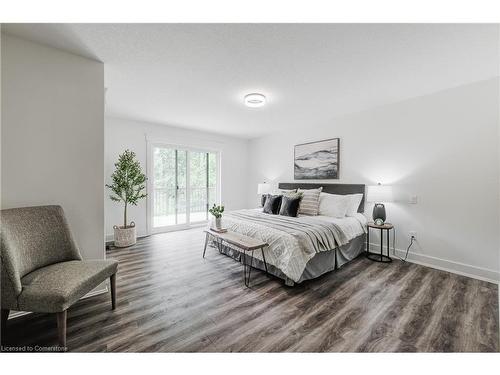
(290,205)
(277,192)
(272,205)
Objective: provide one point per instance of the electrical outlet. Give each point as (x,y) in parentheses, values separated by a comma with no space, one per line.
(413,234)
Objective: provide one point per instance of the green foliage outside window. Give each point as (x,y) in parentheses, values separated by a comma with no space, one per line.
(171,192)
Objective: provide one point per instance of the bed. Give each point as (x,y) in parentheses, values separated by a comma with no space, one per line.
(305,247)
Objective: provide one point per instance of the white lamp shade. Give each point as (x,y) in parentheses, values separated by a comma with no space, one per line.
(264,188)
(379,193)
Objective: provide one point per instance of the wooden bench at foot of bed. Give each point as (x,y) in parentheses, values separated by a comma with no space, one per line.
(243,243)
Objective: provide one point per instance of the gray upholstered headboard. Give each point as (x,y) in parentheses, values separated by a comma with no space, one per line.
(340,189)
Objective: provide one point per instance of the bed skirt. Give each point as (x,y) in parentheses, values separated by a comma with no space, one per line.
(321,263)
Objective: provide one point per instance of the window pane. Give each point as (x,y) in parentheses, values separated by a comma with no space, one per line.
(164,187)
(171,192)
(181,187)
(198,186)
(212,179)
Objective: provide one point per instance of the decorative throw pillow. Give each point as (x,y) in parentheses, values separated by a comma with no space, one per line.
(290,205)
(294,195)
(354,202)
(309,204)
(263,200)
(285,191)
(277,192)
(333,205)
(272,204)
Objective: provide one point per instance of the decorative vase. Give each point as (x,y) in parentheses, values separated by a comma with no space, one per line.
(218,222)
(379,212)
(125,236)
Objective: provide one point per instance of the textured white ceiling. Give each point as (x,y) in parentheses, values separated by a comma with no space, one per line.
(195,75)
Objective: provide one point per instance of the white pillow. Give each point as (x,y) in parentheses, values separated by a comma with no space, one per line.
(354,202)
(284,191)
(333,205)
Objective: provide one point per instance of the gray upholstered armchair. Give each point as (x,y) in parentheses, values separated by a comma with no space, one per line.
(42,270)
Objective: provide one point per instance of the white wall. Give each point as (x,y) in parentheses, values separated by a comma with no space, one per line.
(122,134)
(53,136)
(441,147)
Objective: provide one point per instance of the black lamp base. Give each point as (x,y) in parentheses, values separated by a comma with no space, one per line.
(379,213)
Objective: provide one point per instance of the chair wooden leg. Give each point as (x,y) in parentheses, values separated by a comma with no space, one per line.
(5,316)
(113,290)
(61,327)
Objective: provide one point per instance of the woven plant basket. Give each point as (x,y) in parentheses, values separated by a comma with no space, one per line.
(125,237)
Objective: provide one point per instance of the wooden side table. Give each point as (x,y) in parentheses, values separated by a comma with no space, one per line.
(379,257)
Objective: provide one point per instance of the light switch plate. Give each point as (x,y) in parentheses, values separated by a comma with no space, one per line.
(413,199)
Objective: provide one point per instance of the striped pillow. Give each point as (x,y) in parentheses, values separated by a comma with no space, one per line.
(309,205)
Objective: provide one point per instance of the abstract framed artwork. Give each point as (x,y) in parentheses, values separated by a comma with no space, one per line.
(317,160)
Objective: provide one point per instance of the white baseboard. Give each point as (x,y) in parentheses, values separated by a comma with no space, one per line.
(16,314)
(474,272)
(110,237)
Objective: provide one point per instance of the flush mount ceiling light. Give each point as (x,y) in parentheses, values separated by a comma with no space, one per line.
(255,100)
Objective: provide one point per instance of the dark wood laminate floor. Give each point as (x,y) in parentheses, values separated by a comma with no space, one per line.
(170,299)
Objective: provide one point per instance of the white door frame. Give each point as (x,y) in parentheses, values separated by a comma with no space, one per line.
(150,184)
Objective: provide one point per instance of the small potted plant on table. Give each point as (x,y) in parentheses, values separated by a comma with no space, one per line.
(217,211)
(128,184)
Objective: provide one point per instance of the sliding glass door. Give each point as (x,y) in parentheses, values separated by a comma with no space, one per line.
(202,184)
(183,186)
(169,190)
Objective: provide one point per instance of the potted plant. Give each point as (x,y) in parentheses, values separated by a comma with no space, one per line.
(217,211)
(128,184)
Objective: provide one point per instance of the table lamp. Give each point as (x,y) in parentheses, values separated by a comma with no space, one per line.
(379,194)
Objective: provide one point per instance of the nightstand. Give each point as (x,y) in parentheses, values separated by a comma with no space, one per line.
(379,257)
